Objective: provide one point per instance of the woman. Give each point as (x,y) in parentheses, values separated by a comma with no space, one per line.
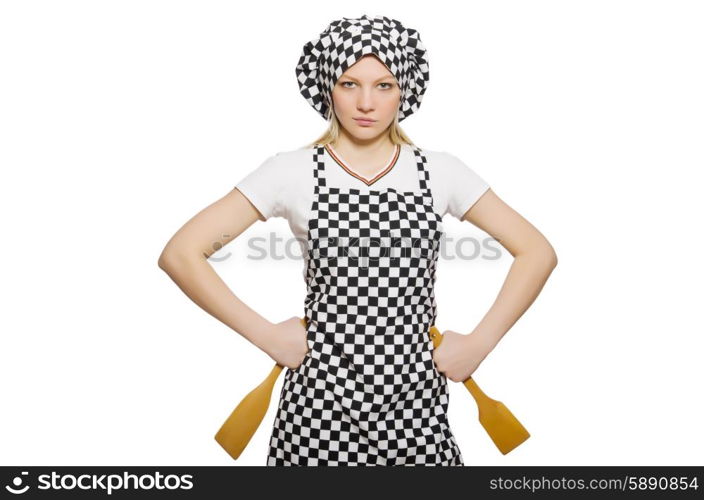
(364,385)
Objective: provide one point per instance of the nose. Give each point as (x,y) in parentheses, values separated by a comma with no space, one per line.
(365,100)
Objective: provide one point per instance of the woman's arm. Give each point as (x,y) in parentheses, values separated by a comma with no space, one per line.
(534,260)
(184,259)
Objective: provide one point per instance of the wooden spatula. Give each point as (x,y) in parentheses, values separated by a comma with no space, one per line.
(244,420)
(240,426)
(234,435)
(498,421)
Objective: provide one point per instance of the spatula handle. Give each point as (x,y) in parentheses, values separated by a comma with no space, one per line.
(469,383)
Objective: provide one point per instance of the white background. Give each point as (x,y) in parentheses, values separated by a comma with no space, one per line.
(121,120)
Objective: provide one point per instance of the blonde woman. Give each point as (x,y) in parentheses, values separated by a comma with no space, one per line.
(364,385)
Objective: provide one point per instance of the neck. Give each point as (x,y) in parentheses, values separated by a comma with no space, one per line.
(354,147)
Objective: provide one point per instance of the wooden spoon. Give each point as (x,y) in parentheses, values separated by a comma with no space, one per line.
(235,433)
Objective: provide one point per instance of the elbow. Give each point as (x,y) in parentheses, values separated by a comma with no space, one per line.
(163,261)
(550,256)
(172,259)
(166,261)
(553,260)
(542,255)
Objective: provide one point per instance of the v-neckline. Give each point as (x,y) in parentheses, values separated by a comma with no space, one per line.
(381,173)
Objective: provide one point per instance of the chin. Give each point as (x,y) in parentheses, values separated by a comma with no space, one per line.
(363,131)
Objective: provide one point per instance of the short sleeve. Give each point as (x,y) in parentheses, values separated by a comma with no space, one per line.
(264,187)
(463,186)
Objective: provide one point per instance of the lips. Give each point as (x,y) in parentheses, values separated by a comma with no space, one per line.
(364,121)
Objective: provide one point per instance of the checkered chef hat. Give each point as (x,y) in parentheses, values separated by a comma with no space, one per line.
(346,40)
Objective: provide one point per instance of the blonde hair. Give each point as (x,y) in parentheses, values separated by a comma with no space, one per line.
(396,133)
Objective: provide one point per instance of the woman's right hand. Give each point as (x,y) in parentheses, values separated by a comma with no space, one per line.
(288,344)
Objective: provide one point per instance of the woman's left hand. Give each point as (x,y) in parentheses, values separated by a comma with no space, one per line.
(459,355)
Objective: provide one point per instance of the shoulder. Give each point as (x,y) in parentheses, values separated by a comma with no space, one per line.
(449,167)
(279,171)
(456,184)
(288,161)
(275,185)
(442,166)
(442,161)
(283,168)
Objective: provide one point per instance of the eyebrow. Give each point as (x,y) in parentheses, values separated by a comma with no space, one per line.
(377,80)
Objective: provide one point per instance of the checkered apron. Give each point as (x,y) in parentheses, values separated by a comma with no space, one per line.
(368,391)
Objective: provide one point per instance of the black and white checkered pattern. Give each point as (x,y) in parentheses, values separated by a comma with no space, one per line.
(344,41)
(368,391)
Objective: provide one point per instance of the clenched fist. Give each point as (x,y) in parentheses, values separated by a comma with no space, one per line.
(287,343)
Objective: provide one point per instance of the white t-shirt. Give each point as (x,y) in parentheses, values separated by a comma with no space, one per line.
(283,185)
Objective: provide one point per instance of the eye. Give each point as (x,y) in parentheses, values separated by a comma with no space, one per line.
(344,84)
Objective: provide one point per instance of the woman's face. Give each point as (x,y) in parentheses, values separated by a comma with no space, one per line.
(366,90)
